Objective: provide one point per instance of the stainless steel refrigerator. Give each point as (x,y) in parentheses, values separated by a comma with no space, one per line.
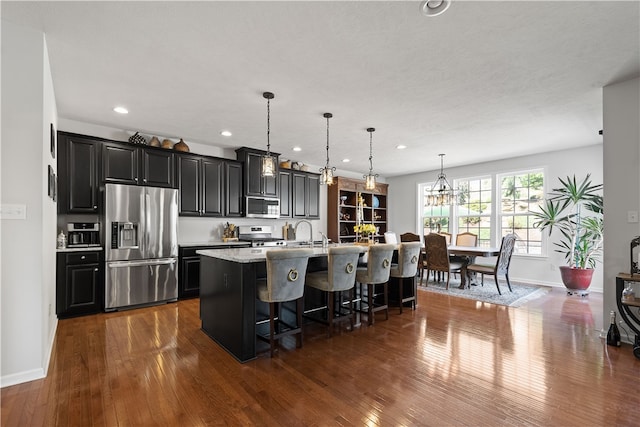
(141,245)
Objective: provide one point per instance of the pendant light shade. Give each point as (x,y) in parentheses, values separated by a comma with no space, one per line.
(268,163)
(441,193)
(326,173)
(370,178)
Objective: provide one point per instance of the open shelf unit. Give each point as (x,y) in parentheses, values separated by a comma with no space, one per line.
(342,207)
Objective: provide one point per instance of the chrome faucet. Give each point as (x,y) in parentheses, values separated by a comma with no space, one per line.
(325,240)
(310,230)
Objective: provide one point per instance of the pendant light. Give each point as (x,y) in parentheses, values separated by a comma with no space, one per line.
(370,179)
(441,193)
(268,163)
(326,173)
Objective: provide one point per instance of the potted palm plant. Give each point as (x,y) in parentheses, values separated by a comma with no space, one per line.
(575,210)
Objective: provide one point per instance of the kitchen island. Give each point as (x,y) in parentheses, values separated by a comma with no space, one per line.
(228,295)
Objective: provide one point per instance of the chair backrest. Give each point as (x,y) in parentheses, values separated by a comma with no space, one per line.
(466,239)
(409,237)
(446,235)
(437,254)
(286,269)
(343,263)
(408,258)
(379,262)
(390,237)
(506,250)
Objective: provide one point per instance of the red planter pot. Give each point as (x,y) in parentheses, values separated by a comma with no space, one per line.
(578,279)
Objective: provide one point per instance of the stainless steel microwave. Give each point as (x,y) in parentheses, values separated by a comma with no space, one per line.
(262,207)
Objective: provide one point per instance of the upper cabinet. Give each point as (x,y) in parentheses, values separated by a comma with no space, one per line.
(209,186)
(78,173)
(129,164)
(254,183)
(305,195)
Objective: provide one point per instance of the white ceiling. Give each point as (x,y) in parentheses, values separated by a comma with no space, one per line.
(485,80)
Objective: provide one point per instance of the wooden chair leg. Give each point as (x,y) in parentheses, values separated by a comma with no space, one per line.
(272,327)
(415,293)
(497,285)
(508,281)
(352,307)
(386,300)
(370,289)
(330,308)
(448,277)
(299,310)
(401,285)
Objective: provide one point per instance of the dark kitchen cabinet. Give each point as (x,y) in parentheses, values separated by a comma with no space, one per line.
(189,269)
(285,194)
(129,164)
(254,183)
(79,283)
(305,195)
(78,174)
(209,186)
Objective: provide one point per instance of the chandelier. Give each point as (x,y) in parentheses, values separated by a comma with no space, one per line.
(441,193)
(268,163)
(326,173)
(370,179)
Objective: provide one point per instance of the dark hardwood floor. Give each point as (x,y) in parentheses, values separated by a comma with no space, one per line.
(450,362)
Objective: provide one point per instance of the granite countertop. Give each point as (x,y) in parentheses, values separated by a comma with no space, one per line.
(248,255)
(82,249)
(212,243)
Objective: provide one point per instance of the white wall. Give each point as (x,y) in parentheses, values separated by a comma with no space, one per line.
(28,246)
(404,216)
(621,113)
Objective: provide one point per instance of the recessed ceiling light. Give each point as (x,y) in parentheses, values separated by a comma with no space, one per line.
(225,133)
(121,110)
(434,7)
(401,147)
(345,160)
(297,149)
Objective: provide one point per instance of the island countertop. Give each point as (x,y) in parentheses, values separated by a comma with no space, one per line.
(249,255)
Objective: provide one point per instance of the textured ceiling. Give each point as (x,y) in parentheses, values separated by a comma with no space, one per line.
(485,80)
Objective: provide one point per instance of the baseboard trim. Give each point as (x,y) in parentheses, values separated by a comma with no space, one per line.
(21,377)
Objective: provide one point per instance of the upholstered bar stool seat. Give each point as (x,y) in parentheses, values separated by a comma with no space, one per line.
(286,270)
(376,273)
(340,277)
(407,267)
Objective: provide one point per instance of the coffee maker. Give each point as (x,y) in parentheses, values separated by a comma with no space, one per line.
(83,234)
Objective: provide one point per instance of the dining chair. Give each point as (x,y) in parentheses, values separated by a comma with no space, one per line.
(376,273)
(390,237)
(502,263)
(286,269)
(466,239)
(339,277)
(406,268)
(447,236)
(438,256)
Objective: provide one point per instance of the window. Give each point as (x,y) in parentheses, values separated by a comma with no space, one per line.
(521,193)
(491,206)
(475,207)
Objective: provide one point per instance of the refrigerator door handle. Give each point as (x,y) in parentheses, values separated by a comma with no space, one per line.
(127,264)
(147,214)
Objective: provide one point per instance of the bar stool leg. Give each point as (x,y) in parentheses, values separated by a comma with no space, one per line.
(299,310)
(330,308)
(352,307)
(370,288)
(386,300)
(272,327)
(400,296)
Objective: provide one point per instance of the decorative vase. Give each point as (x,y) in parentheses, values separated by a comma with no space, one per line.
(155,142)
(181,146)
(576,279)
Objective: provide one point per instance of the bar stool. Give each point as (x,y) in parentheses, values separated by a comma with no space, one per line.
(376,273)
(407,267)
(286,269)
(340,276)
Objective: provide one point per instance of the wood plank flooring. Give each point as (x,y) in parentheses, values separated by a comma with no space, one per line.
(450,362)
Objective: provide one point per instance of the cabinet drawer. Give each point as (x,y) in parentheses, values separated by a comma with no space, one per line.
(83,257)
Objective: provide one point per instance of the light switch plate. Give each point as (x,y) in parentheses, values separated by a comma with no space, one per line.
(632,216)
(13,211)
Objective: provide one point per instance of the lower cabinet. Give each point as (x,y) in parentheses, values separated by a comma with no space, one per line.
(79,283)
(189,270)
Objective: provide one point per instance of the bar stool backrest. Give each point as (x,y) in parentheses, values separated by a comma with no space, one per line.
(343,263)
(408,256)
(286,269)
(379,263)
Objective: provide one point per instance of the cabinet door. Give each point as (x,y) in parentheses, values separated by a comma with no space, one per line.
(189,285)
(211,201)
(188,185)
(233,187)
(285,194)
(313,196)
(120,163)
(253,174)
(78,170)
(82,284)
(298,195)
(157,167)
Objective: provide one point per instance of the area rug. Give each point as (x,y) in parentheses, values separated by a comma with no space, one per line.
(522,293)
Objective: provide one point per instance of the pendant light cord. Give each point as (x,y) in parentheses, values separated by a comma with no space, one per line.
(327,116)
(370,151)
(268,126)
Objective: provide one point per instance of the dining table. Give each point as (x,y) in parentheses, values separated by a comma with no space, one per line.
(469,254)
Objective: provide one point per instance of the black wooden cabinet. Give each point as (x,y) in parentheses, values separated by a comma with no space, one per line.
(254,183)
(209,186)
(285,193)
(79,283)
(305,195)
(129,164)
(78,174)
